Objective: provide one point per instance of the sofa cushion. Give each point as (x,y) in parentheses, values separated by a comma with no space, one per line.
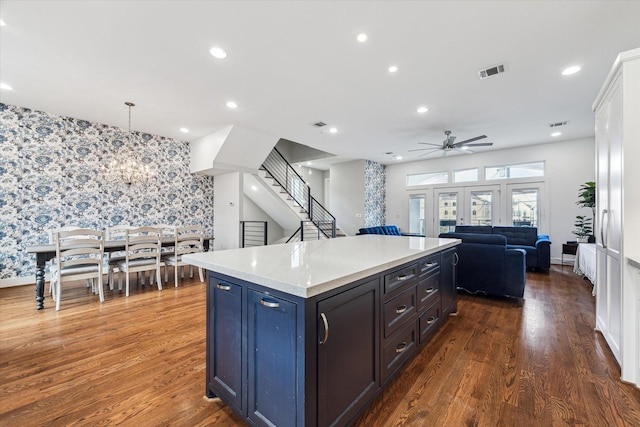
(524,236)
(391,230)
(485,239)
(478,229)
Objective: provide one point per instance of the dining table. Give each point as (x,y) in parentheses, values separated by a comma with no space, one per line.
(46,252)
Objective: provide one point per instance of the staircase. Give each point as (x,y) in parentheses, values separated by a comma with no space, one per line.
(316,222)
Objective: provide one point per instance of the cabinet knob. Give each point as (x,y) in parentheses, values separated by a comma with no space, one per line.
(430,320)
(270,304)
(223,287)
(429,290)
(401,347)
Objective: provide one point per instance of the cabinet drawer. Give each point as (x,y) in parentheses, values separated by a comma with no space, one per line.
(398,350)
(400,278)
(429,264)
(429,322)
(428,291)
(399,310)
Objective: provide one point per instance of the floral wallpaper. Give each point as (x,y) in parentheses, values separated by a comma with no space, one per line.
(50,177)
(374,193)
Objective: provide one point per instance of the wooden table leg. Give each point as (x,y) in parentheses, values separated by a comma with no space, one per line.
(40,263)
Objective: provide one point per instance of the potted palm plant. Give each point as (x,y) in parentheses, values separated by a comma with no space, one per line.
(583,224)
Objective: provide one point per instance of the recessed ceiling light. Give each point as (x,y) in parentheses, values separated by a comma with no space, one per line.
(231,105)
(2,23)
(393,69)
(398,157)
(184,130)
(218,52)
(422,110)
(5,86)
(556,134)
(571,70)
(362,37)
(254,188)
(333,130)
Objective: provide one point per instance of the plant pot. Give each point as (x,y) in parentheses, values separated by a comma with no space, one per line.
(582,239)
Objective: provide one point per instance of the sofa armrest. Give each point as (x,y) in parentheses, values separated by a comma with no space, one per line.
(516,271)
(543,246)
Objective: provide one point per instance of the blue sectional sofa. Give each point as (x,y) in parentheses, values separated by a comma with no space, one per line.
(387,230)
(486,264)
(537,246)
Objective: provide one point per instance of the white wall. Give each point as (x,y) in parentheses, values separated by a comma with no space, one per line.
(347,195)
(568,165)
(253,212)
(315,179)
(227,208)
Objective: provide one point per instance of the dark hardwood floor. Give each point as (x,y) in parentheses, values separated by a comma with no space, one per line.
(141,361)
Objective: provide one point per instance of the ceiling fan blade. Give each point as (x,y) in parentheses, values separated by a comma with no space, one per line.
(482,144)
(466,141)
(420,149)
(432,151)
(428,143)
(464,150)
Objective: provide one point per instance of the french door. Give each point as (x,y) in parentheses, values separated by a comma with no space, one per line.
(479,205)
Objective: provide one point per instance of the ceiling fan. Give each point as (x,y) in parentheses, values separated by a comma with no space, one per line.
(449,145)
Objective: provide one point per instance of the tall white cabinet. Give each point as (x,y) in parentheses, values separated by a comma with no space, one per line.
(617,109)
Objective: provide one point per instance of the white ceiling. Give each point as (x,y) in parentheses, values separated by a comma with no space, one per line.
(291,64)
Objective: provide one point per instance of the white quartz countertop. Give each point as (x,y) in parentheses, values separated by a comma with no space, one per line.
(306,269)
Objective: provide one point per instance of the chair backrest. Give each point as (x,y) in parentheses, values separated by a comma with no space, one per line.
(143,242)
(189,239)
(118,232)
(52,231)
(79,247)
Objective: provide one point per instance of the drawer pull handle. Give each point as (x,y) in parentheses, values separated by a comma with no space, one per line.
(401,309)
(431,264)
(402,277)
(429,290)
(270,304)
(326,328)
(223,287)
(430,320)
(401,347)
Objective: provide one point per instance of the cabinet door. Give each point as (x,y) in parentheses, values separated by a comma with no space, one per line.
(225,371)
(272,350)
(348,352)
(448,293)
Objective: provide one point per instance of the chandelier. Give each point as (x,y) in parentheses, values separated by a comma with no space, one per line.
(124,168)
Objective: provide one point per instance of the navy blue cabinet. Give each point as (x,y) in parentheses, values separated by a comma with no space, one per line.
(272,332)
(281,360)
(448,292)
(348,352)
(225,352)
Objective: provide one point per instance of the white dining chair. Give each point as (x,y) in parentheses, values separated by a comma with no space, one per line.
(188,240)
(142,253)
(79,255)
(116,232)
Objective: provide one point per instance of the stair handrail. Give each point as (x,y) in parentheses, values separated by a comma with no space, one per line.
(290,180)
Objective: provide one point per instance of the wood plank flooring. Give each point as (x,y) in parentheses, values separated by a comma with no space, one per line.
(141,361)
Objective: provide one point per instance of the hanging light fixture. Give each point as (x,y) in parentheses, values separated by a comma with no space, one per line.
(124,168)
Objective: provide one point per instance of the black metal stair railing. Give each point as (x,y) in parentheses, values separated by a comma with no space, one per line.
(298,190)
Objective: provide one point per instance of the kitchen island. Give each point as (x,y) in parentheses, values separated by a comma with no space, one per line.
(308,333)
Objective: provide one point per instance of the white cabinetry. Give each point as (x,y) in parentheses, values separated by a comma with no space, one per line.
(617,109)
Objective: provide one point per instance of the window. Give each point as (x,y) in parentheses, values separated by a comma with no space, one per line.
(427,178)
(446,221)
(523,170)
(483,213)
(465,175)
(524,207)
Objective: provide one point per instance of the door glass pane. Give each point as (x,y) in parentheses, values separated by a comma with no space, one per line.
(525,207)
(481,205)
(447,211)
(417,211)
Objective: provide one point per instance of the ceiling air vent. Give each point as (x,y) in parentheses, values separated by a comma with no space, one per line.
(319,124)
(483,74)
(557,124)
